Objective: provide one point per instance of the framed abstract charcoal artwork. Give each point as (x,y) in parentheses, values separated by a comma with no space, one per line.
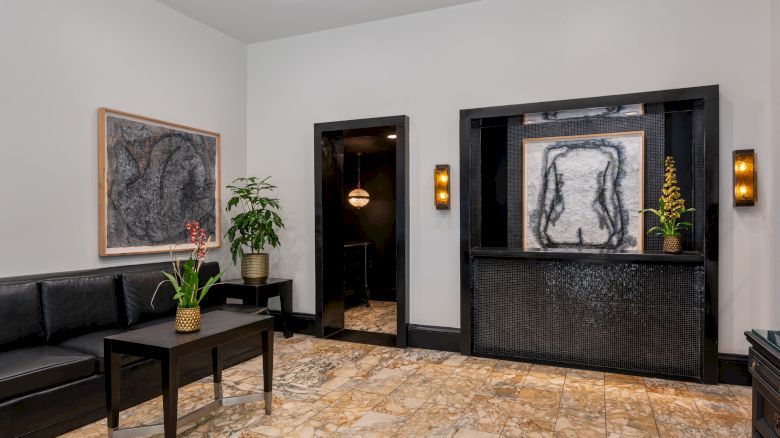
(155,177)
(584,192)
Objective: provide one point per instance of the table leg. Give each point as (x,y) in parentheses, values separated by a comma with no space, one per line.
(285,297)
(113,380)
(216,366)
(267,338)
(170,390)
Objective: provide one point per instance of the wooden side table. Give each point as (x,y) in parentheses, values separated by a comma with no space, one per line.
(257,294)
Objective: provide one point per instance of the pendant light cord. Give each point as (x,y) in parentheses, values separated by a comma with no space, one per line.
(359,153)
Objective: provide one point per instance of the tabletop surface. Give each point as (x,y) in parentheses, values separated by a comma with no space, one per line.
(213,323)
(772,337)
(269,282)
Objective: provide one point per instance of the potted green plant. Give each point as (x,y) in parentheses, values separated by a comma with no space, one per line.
(670,207)
(185,280)
(254,227)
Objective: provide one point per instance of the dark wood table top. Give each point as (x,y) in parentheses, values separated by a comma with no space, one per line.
(216,323)
(269,282)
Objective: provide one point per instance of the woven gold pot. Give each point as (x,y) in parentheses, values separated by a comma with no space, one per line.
(672,244)
(254,267)
(187,319)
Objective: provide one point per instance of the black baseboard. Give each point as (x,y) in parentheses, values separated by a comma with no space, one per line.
(733,369)
(433,338)
(303,323)
(361,337)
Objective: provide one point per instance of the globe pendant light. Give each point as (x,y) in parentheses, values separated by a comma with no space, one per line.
(358,197)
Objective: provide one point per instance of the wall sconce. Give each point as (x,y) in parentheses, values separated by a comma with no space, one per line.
(441,186)
(745,186)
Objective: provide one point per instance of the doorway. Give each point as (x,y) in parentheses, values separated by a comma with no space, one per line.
(361,211)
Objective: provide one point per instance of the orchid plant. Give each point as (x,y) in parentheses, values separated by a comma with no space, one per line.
(185,278)
(671,205)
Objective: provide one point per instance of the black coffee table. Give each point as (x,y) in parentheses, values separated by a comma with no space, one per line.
(161,342)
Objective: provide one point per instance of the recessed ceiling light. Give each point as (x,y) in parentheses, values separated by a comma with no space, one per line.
(392,136)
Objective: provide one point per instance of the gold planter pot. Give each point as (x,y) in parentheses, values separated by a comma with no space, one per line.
(187,319)
(254,267)
(672,244)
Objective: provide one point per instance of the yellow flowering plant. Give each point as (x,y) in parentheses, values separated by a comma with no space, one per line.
(671,205)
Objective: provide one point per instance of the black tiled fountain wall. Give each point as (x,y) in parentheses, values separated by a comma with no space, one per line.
(645,318)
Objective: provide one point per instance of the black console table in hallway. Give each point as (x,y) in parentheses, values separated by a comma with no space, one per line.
(162,343)
(257,294)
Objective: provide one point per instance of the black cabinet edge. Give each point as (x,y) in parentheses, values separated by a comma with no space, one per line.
(303,323)
(733,369)
(433,337)
(585,256)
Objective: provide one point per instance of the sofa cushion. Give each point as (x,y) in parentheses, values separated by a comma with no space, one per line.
(92,344)
(77,305)
(214,297)
(164,320)
(138,289)
(30,369)
(21,321)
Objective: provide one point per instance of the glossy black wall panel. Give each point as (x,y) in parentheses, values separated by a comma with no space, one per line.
(643,318)
(331,234)
(494,189)
(680,144)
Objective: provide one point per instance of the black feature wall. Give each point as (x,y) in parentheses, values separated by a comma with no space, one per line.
(645,312)
(376,221)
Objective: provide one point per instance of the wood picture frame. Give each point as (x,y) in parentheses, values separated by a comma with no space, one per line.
(146,171)
(633,210)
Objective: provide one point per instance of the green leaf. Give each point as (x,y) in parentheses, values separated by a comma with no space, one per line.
(174,281)
(651,210)
(211,281)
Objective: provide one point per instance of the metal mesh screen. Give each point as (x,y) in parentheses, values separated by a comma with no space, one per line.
(652,123)
(621,316)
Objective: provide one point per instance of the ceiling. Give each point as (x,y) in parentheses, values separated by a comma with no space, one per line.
(369,140)
(253,21)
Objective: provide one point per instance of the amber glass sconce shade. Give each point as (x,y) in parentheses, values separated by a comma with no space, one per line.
(441,186)
(745,187)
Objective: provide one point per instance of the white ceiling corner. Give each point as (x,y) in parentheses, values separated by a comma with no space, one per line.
(253,21)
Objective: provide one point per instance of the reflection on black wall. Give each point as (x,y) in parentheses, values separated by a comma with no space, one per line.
(376,221)
(679,142)
(494,185)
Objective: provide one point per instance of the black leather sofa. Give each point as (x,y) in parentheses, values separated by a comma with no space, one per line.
(51,344)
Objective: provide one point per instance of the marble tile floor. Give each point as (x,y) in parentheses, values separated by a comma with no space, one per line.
(329,388)
(379,318)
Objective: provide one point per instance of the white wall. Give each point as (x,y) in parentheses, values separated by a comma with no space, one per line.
(769,179)
(494,52)
(62,60)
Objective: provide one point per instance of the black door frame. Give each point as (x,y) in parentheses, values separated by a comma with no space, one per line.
(401,124)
